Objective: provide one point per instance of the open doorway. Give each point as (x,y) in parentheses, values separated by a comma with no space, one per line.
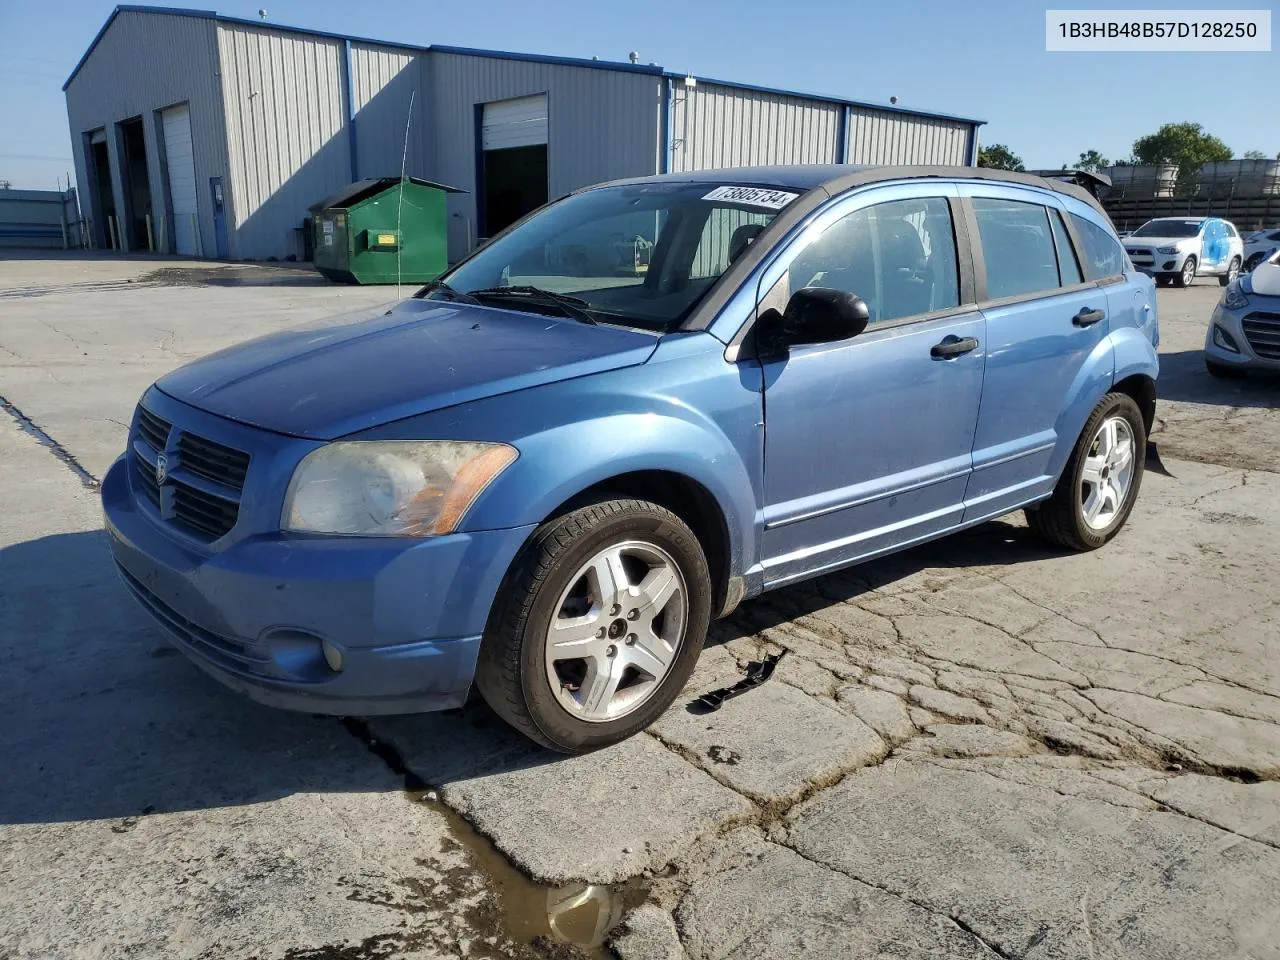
(512,161)
(137,186)
(102,201)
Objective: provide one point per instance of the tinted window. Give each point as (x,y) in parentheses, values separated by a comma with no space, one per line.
(1017,246)
(900,257)
(1103,257)
(1068,268)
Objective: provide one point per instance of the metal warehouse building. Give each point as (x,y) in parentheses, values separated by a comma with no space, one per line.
(201,134)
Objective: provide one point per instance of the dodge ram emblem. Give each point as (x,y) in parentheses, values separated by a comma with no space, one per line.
(162,469)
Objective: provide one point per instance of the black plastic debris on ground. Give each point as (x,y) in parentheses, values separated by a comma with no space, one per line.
(758,671)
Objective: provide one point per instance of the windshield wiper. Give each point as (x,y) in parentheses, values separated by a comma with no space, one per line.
(572,306)
(439,286)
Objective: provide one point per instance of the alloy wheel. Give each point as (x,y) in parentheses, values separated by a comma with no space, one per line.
(616,631)
(1107,473)
(1233,270)
(1188,272)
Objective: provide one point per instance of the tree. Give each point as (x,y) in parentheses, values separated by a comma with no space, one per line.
(1185,144)
(1254,155)
(1092,161)
(999,157)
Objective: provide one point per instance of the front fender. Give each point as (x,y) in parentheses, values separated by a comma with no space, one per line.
(559,463)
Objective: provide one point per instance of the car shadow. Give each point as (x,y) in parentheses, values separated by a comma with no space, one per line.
(104,720)
(1183,377)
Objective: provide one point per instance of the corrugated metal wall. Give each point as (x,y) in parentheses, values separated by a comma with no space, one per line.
(719,126)
(286,133)
(880,136)
(383,79)
(603,124)
(144,62)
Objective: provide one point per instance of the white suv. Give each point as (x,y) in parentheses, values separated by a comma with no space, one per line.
(1179,249)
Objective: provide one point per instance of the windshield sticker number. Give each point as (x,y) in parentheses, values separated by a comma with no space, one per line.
(752,197)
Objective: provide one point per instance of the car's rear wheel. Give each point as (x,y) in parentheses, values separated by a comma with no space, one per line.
(598,626)
(1224,371)
(1100,482)
(1187,275)
(1233,271)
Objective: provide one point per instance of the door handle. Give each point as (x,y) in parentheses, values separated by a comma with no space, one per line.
(953,346)
(1087,317)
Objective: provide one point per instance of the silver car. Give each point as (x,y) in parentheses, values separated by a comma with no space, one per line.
(1244,333)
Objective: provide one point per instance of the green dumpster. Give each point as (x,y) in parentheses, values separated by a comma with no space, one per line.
(357,239)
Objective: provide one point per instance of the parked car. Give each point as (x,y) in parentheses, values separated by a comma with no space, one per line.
(1179,249)
(549,486)
(1259,245)
(1244,333)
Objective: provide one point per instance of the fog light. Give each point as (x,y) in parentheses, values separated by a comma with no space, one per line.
(1224,340)
(332,656)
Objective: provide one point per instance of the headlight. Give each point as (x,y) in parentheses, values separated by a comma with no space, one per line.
(1166,250)
(1234,298)
(393,488)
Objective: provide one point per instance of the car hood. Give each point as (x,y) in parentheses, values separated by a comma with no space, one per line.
(357,371)
(1131,242)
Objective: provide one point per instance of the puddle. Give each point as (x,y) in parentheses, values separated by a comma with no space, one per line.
(532,914)
(541,920)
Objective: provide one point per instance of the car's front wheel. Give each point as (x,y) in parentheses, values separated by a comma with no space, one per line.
(1233,271)
(1100,482)
(1253,262)
(598,626)
(1187,275)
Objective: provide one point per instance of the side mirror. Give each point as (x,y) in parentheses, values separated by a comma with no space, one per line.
(813,315)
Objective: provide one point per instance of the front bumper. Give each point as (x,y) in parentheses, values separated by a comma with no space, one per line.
(1150,261)
(1255,330)
(406,614)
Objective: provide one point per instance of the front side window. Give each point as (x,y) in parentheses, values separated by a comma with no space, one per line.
(1103,257)
(1017,246)
(639,255)
(899,257)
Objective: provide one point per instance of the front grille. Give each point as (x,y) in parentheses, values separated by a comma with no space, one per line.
(153,430)
(1139,253)
(1262,330)
(213,461)
(232,652)
(200,512)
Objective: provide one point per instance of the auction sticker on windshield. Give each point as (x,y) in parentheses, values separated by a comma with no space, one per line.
(752,196)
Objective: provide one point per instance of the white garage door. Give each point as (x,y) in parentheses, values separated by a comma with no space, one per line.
(515,123)
(181,161)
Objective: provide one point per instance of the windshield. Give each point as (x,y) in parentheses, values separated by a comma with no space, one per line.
(1168,228)
(638,255)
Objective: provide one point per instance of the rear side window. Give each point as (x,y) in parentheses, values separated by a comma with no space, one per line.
(1068,268)
(1017,245)
(898,256)
(1103,257)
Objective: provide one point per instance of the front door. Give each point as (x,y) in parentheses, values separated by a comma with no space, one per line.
(1044,322)
(868,441)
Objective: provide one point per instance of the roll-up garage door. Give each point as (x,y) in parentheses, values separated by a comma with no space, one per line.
(515,123)
(180,159)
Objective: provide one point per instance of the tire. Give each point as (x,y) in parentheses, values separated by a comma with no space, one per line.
(1224,371)
(554,572)
(1233,271)
(1062,518)
(1187,275)
(1253,262)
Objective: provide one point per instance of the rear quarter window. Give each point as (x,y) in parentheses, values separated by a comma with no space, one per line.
(1103,256)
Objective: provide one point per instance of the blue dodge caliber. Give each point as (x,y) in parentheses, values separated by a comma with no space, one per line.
(548,471)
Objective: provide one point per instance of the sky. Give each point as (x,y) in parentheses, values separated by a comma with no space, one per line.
(981,60)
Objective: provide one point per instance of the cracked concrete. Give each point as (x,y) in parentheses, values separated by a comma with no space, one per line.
(982,747)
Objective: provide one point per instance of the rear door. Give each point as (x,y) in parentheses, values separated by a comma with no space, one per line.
(1044,322)
(868,440)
